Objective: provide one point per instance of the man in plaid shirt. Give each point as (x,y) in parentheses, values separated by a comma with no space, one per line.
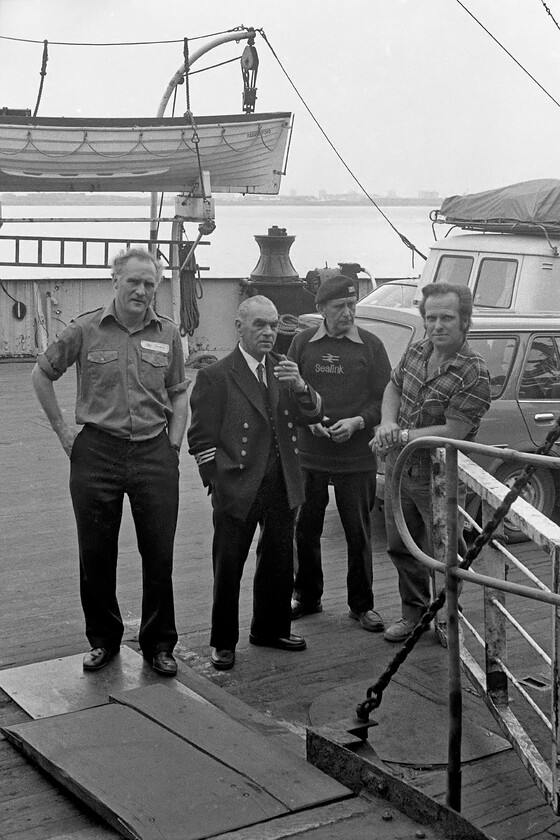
(440,388)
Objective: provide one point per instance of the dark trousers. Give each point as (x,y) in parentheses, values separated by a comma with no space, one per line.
(272,583)
(354,495)
(103,469)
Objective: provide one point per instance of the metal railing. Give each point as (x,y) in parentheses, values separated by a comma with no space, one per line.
(493,679)
(77,251)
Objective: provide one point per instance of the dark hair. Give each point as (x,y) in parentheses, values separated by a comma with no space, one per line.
(135,253)
(464,300)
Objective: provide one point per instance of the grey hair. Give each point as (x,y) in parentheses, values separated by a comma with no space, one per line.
(246,305)
(135,253)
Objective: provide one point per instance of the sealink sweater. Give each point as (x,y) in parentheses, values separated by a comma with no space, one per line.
(350,373)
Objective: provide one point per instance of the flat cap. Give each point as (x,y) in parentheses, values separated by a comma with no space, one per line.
(336,287)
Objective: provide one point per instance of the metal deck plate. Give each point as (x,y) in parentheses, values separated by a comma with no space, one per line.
(289,778)
(61,685)
(144,780)
(412,729)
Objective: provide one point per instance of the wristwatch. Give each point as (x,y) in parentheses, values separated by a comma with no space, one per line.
(176,447)
(404,436)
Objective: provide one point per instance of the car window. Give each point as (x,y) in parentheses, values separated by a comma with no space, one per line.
(395,337)
(454,269)
(498,352)
(494,284)
(392,294)
(541,371)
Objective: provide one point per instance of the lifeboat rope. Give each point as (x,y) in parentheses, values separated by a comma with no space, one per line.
(374,693)
(190,116)
(43,74)
(30,142)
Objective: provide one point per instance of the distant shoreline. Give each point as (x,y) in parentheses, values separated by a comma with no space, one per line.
(108,199)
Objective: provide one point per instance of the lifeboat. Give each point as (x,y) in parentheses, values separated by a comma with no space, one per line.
(244,153)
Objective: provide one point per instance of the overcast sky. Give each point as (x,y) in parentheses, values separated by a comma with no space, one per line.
(413,93)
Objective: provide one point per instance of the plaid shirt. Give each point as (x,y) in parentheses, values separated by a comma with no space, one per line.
(458,389)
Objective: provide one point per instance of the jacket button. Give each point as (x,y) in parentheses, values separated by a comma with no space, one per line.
(290,425)
(244,440)
(296,450)
(245,425)
(294,438)
(243,452)
(286,412)
(241,466)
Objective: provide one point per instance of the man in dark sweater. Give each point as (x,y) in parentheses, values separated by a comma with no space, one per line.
(349,367)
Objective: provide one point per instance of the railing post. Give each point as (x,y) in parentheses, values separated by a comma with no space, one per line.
(494,620)
(444,514)
(555,677)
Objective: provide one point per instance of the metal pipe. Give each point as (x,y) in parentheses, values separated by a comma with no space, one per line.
(242,34)
(466,574)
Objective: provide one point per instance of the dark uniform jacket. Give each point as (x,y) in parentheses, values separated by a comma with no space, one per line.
(230,433)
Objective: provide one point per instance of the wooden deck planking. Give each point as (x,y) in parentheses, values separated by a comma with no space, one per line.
(41,619)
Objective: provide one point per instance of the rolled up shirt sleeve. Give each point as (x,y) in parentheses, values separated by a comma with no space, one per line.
(175,380)
(62,353)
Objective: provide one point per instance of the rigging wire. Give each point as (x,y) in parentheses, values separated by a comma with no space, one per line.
(402,237)
(212,66)
(547,10)
(521,67)
(120,43)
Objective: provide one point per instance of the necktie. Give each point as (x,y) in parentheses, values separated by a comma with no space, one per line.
(260,374)
(264,389)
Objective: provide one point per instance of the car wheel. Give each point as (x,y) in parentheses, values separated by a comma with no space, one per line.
(540,492)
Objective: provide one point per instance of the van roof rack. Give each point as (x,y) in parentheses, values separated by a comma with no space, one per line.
(525,228)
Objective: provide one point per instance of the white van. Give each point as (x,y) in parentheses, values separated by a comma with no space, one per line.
(506,272)
(509,254)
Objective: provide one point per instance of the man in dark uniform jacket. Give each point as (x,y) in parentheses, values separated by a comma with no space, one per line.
(245,409)
(132,401)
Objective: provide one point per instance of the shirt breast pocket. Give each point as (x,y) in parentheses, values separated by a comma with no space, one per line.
(434,409)
(154,367)
(103,366)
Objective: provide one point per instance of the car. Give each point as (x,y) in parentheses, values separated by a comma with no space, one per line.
(397,293)
(523,357)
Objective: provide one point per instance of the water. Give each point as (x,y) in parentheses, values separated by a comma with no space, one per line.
(324,235)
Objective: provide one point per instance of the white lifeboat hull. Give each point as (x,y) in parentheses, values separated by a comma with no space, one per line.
(243,153)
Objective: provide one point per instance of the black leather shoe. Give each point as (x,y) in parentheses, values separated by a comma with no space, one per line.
(223,660)
(98,657)
(291,643)
(164,663)
(300,608)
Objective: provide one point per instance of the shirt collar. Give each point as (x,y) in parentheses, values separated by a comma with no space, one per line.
(454,361)
(253,363)
(352,334)
(150,316)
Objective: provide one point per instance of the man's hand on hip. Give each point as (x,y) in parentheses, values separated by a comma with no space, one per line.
(67,435)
